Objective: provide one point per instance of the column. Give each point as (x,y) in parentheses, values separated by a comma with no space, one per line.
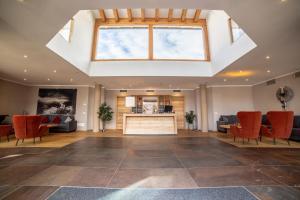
(102,100)
(96,108)
(203,103)
(198,108)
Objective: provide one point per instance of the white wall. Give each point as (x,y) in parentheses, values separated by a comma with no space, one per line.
(111,100)
(13,98)
(78,51)
(82,104)
(265,96)
(228,101)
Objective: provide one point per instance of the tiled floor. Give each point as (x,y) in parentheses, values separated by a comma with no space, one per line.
(149,162)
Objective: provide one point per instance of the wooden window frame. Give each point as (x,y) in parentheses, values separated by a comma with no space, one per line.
(149,22)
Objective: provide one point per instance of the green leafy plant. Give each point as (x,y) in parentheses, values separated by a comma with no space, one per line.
(105,114)
(190,118)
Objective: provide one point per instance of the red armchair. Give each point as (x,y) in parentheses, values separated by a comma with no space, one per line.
(250,123)
(5,130)
(281,125)
(28,127)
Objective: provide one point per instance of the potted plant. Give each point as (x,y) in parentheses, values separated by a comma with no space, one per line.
(105,114)
(190,117)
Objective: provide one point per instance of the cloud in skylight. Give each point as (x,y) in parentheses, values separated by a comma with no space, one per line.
(132,43)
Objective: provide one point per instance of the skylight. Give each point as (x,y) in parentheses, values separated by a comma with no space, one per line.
(66,31)
(122,43)
(236,31)
(178,43)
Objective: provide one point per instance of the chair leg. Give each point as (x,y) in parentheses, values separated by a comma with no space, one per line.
(17,142)
(23,140)
(256,141)
(288,141)
(243,141)
(0,138)
(8,138)
(233,138)
(274,141)
(248,140)
(40,138)
(260,138)
(34,140)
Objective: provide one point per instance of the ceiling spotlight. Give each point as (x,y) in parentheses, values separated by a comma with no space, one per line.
(71,79)
(25,70)
(241,71)
(283,1)
(246,79)
(268,71)
(54,71)
(268,57)
(20,1)
(48,79)
(25,56)
(25,79)
(225,80)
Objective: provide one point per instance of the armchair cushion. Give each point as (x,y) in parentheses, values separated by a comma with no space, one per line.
(56,120)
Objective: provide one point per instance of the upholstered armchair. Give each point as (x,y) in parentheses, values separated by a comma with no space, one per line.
(249,126)
(28,127)
(281,124)
(5,130)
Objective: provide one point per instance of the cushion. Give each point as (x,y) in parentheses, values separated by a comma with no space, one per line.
(44,120)
(7,120)
(296,122)
(68,119)
(56,120)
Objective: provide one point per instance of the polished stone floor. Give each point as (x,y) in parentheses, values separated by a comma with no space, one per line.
(149,162)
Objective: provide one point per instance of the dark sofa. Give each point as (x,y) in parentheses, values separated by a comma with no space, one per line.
(64,125)
(296,129)
(225,120)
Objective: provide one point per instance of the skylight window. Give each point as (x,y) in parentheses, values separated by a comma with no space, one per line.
(178,43)
(236,31)
(66,31)
(122,43)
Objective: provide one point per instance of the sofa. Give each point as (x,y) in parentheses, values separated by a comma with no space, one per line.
(63,123)
(295,136)
(225,120)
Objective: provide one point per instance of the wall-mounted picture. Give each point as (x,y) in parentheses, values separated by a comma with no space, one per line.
(57,101)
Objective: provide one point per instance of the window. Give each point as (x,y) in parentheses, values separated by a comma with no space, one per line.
(236,31)
(153,41)
(178,43)
(122,43)
(67,30)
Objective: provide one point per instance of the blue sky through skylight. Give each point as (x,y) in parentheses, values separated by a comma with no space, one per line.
(122,43)
(178,43)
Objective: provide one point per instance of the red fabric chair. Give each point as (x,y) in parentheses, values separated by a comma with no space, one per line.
(5,130)
(250,123)
(28,127)
(281,125)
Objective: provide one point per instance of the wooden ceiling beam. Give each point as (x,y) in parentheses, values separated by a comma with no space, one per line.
(129,14)
(170,15)
(183,14)
(116,14)
(197,15)
(143,14)
(157,14)
(102,15)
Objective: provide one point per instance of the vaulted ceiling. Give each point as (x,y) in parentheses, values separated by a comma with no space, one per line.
(26,26)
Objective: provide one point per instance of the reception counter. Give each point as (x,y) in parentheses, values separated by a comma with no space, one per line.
(148,124)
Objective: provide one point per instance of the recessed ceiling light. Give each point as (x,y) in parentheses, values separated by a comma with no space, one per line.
(25,70)
(246,79)
(283,1)
(241,71)
(54,71)
(71,79)
(268,57)
(225,80)
(25,56)
(48,79)
(268,71)
(25,79)
(21,1)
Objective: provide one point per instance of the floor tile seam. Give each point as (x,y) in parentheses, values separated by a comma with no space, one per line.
(116,170)
(10,192)
(251,193)
(229,166)
(52,193)
(272,178)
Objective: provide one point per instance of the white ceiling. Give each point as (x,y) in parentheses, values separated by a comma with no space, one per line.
(25,28)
